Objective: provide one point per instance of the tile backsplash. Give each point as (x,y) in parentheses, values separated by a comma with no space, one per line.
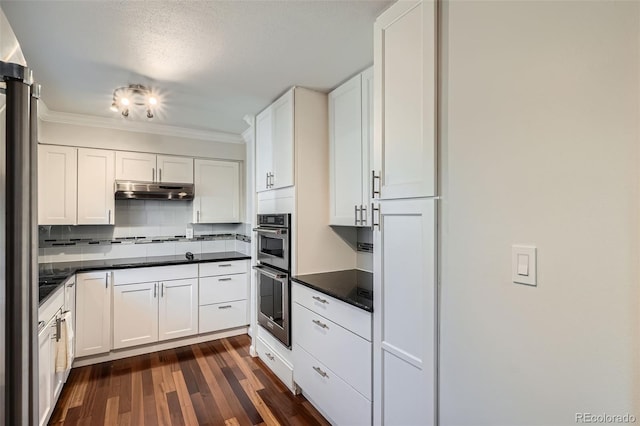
(142,228)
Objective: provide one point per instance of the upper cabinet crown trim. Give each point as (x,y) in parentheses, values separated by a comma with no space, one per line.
(136,126)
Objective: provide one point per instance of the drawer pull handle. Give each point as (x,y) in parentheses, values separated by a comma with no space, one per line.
(320,372)
(224,307)
(320,299)
(71,285)
(268,355)
(320,324)
(225,265)
(224,279)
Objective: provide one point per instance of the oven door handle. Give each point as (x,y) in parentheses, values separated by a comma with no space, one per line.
(269,274)
(270,231)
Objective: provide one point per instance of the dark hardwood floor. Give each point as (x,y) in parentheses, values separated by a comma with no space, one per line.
(212,383)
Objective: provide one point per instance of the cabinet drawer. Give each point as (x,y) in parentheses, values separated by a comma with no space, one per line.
(156,273)
(223,268)
(348,316)
(275,363)
(328,342)
(223,315)
(333,396)
(223,288)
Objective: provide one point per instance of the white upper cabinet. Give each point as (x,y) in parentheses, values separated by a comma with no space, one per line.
(275,144)
(143,167)
(96,201)
(172,169)
(405,92)
(349,146)
(135,166)
(264,150)
(282,173)
(217,192)
(57,185)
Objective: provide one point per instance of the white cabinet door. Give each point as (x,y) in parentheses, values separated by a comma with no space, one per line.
(405,312)
(178,316)
(264,149)
(96,200)
(345,152)
(135,314)
(283,159)
(57,185)
(405,132)
(136,166)
(217,192)
(172,169)
(45,373)
(93,313)
(367,143)
(70,305)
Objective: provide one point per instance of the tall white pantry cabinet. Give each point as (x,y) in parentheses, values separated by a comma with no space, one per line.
(404,219)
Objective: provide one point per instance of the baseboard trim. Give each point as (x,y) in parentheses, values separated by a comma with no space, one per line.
(160,346)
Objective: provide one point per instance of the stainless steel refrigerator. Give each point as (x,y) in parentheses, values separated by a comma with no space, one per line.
(18,236)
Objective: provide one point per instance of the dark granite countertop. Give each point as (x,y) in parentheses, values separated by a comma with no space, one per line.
(53,275)
(352,286)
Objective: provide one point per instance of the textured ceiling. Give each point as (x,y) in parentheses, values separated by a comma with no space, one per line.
(212,61)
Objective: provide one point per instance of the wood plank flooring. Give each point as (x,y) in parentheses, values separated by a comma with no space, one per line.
(212,383)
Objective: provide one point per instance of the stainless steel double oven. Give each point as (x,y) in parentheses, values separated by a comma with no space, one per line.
(274,268)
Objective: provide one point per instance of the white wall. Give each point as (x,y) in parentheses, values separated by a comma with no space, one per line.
(540,146)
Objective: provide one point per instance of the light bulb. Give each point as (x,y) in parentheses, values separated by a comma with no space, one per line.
(114,107)
(153,100)
(124,101)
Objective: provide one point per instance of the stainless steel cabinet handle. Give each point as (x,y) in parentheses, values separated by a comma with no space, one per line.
(106,280)
(375,209)
(373,184)
(320,372)
(58,329)
(153,175)
(363,215)
(320,299)
(71,284)
(355,213)
(224,279)
(155,290)
(225,265)
(159,175)
(224,307)
(109,217)
(320,324)
(268,355)
(198,216)
(161,289)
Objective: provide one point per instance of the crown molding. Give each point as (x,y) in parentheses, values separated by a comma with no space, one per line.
(45,114)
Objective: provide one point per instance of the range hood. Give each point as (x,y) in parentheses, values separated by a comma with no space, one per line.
(127,190)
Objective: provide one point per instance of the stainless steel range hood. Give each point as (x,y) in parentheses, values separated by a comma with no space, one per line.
(127,190)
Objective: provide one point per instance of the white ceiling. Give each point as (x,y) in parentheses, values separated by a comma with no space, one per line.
(213,61)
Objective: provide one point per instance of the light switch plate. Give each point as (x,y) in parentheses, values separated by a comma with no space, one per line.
(520,273)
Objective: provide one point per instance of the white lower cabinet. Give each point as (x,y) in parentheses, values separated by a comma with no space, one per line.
(157,310)
(93,313)
(135,314)
(276,363)
(224,290)
(178,309)
(46,369)
(332,355)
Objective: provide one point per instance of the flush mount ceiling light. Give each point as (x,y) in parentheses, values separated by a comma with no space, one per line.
(134,96)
